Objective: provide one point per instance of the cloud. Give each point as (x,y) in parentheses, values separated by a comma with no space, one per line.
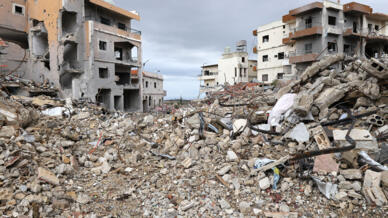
(179,36)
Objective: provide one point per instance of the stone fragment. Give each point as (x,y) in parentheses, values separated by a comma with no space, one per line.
(264,183)
(371,188)
(61,204)
(47,176)
(245,207)
(224,204)
(83,198)
(231,156)
(351,174)
(7,131)
(239,125)
(299,133)
(224,170)
(186,205)
(284,208)
(187,163)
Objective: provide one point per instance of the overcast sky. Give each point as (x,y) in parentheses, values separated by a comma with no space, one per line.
(179,36)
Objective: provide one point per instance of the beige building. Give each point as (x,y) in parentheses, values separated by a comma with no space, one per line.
(314,30)
(153,92)
(85,48)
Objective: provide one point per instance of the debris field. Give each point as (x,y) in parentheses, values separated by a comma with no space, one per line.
(314,146)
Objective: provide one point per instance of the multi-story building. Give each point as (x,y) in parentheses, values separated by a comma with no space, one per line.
(86,48)
(272,52)
(153,93)
(323,28)
(232,68)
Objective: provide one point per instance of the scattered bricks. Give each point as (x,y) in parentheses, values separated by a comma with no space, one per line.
(187,163)
(351,174)
(323,163)
(371,188)
(47,176)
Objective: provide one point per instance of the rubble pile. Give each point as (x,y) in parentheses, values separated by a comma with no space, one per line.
(315,147)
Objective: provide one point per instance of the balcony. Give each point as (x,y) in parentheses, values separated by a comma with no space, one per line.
(303,56)
(115,9)
(128,33)
(307,8)
(288,18)
(287,39)
(357,8)
(306,30)
(364,33)
(208,76)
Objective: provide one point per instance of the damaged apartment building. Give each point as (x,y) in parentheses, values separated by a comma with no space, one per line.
(232,68)
(86,49)
(311,32)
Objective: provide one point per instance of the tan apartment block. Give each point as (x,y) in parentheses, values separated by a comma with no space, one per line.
(86,48)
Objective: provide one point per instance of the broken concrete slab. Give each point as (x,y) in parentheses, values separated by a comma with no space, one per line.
(371,188)
(351,174)
(299,133)
(47,176)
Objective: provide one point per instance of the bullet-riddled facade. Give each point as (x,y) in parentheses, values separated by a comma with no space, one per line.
(86,49)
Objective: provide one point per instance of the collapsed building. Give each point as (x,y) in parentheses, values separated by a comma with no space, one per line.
(311,32)
(85,49)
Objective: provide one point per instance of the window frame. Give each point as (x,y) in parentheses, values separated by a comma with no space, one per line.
(14,5)
(104,43)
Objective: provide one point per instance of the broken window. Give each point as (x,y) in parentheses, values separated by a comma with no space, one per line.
(308,48)
(235,72)
(131,100)
(18,9)
(348,49)
(280,75)
(69,22)
(70,54)
(355,27)
(332,20)
(331,47)
(245,72)
(309,22)
(117,102)
(266,38)
(119,54)
(281,55)
(103,73)
(146,84)
(265,58)
(121,26)
(264,77)
(105,21)
(102,45)
(370,27)
(243,59)
(240,72)
(122,78)
(155,85)
(377,28)
(103,97)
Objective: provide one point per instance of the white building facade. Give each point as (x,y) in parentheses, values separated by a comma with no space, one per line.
(232,68)
(153,92)
(273,52)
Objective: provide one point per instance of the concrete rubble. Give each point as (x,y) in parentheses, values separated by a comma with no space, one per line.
(217,157)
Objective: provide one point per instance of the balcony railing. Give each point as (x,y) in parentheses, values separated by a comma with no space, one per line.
(304,52)
(307,26)
(126,29)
